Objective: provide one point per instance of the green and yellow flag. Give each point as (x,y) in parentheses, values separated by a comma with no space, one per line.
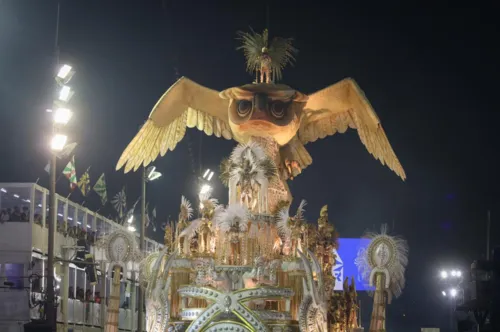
(84,182)
(100,189)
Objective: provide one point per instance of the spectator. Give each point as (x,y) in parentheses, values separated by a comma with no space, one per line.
(80,295)
(16,215)
(88,296)
(97,297)
(25,214)
(38,219)
(4,215)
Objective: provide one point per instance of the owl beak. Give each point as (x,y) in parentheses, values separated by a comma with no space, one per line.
(260,106)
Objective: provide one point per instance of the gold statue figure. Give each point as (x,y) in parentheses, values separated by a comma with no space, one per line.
(290,228)
(186,211)
(233,222)
(208,206)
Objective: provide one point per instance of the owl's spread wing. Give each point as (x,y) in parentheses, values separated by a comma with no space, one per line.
(185,104)
(341,106)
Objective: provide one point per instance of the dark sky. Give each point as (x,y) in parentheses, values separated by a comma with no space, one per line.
(428,70)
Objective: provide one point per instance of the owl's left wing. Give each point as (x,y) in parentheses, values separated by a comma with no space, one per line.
(341,106)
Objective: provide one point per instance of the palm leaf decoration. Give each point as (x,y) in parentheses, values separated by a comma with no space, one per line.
(280,50)
(225,171)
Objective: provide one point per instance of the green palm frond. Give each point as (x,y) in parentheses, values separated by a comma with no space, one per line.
(282,53)
(225,171)
(270,169)
(280,50)
(252,44)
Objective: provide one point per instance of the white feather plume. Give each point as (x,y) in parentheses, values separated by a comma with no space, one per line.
(283,224)
(186,208)
(396,270)
(283,219)
(205,197)
(249,155)
(191,229)
(299,215)
(248,150)
(225,218)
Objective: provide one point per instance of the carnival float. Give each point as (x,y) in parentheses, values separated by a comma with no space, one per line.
(253,265)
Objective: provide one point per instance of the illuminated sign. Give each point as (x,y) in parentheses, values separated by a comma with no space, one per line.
(345,266)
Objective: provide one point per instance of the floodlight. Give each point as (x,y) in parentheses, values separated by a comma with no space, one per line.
(58,142)
(210,176)
(444,274)
(62,115)
(152,174)
(65,94)
(444,293)
(453,292)
(205,189)
(130,219)
(206,173)
(459,273)
(453,273)
(64,72)
(131,228)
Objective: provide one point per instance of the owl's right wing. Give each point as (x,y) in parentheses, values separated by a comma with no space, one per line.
(185,104)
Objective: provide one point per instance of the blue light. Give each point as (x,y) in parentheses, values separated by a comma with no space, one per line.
(345,267)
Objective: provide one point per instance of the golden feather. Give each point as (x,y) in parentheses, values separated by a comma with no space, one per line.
(342,106)
(185,104)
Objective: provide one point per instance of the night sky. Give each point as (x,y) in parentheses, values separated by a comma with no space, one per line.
(428,70)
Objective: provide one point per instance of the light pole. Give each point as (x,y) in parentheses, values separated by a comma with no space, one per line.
(149,174)
(452,280)
(61,116)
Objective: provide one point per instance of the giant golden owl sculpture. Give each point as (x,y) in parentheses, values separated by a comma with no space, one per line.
(265,112)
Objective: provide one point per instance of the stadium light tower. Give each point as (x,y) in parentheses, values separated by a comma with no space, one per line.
(148,174)
(61,116)
(451,280)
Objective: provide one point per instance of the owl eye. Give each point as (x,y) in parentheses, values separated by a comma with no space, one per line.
(244,106)
(278,109)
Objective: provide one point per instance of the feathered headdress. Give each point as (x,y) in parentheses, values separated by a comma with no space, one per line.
(228,217)
(255,46)
(248,166)
(387,254)
(207,205)
(283,222)
(186,210)
(248,162)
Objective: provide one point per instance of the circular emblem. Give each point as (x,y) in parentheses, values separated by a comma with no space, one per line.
(119,248)
(382,252)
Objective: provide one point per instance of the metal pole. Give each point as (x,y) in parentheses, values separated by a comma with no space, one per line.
(133,299)
(102,305)
(50,305)
(50,259)
(140,293)
(488,236)
(359,314)
(65,290)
